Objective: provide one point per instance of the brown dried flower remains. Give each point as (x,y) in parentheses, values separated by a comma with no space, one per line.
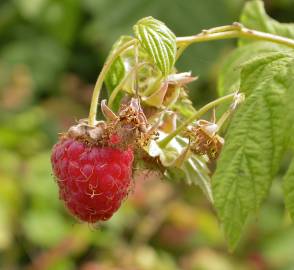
(204,140)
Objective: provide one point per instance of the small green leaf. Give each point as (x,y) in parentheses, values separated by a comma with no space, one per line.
(117,71)
(254,142)
(255,17)
(288,184)
(159,41)
(115,74)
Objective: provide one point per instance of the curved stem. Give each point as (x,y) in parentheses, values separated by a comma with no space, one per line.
(236,30)
(163,143)
(99,82)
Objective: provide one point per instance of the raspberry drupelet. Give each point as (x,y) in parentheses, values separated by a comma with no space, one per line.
(93,180)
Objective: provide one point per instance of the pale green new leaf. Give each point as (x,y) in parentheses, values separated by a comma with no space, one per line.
(254,143)
(254,16)
(159,41)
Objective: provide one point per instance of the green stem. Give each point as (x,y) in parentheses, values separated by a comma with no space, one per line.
(235,30)
(163,143)
(101,77)
(223,119)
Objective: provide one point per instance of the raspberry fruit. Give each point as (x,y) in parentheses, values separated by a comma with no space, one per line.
(92,180)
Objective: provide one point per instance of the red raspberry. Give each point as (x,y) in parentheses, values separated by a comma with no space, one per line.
(92,180)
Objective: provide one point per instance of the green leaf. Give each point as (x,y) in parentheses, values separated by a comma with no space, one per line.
(288,184)
(229,77)
(115,74)
(254,143)
(159,41)
(117,71)
(255,17)
(290,113)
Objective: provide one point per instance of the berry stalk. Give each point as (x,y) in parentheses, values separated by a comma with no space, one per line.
(101,77)
(163,143)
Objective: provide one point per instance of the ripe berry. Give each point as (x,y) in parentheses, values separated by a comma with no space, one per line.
(92,180)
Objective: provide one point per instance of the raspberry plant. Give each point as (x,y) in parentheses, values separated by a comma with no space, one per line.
(149,118)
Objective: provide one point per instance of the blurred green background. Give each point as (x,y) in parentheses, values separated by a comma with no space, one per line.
(51,52)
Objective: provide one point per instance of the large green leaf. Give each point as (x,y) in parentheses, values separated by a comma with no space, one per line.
(159,41)
(254,142)
(229,77)
(255,17)
(288,182)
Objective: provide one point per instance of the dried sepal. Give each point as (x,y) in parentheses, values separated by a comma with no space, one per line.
(204,139)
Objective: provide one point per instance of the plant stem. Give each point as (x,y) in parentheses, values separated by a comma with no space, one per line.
(236,30)
(223,119)
(101,77)
(163,143)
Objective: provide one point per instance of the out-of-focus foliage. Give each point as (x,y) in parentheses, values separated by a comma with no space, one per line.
(50,54)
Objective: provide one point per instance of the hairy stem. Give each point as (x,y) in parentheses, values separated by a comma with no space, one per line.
(101,77)
(163,143)
(236,30)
